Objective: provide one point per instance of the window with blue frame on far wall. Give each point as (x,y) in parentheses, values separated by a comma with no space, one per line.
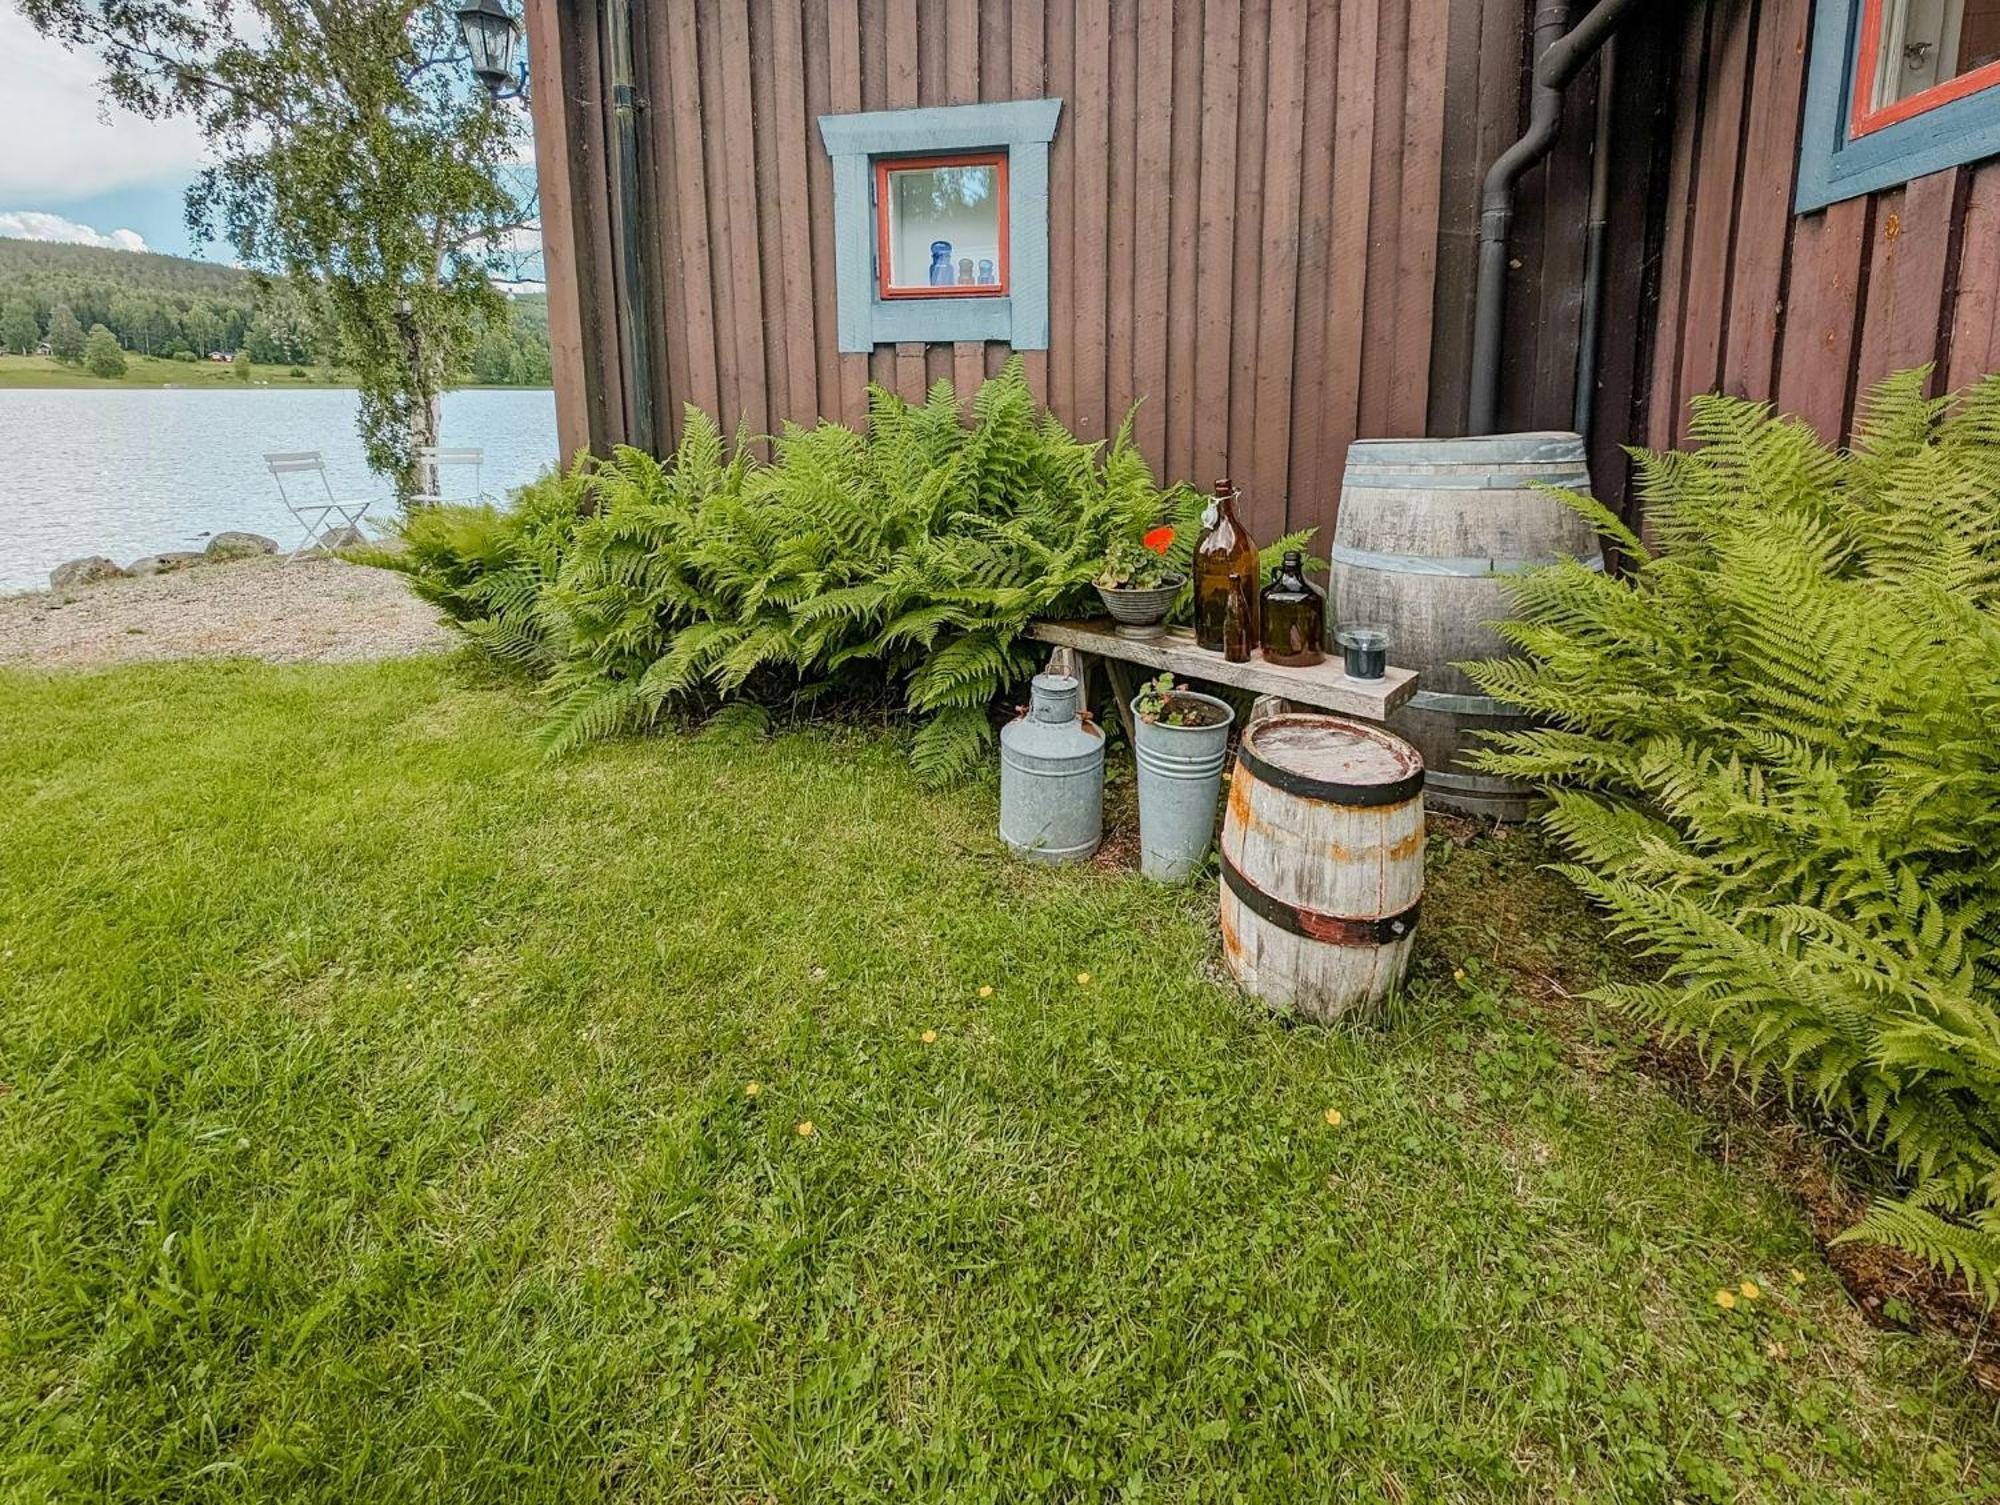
(1897,89)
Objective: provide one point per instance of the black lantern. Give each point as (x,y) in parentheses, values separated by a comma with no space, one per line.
(491,34)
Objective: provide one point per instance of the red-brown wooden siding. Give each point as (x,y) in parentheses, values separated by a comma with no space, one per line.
(1805,311)
(1245,203)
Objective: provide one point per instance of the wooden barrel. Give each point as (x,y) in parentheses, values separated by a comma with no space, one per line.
(1428,530)
(1322,863)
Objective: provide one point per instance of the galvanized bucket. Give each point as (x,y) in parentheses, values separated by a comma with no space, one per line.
(1180,780)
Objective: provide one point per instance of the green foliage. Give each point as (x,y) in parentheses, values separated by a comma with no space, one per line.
(20,330)
(101,353)
(1160,701)
(240,366)
(1773,755)
(65,334)
(351,155)
(907,560)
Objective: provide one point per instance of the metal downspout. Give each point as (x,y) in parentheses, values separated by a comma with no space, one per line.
(1593,245)
(634,305)
(1557,62)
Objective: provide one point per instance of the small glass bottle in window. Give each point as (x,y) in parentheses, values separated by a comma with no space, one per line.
(986,277)
(941,273)
(1294,617)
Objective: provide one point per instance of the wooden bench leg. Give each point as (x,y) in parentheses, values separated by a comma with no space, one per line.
(1122,690)
(1264,707)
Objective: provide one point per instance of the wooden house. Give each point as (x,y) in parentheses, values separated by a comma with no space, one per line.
(1259,219)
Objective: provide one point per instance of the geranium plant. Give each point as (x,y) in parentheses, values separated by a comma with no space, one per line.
(1139,563)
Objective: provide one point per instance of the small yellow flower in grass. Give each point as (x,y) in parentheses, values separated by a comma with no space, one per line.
(1458,974)
(987,991)
(1798,1277)
(751,1089)
(1776,1350)
(805,1129)
(929,1037)
(1333,1117)
(1725,1299)
(1082,978)
(1749,1290)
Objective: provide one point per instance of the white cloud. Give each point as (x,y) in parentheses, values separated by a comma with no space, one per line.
(33,224)
(62,143)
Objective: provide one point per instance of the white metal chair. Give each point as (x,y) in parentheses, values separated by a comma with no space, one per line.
(432,463)
(316,512)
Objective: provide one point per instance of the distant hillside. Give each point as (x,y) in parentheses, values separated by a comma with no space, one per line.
(132,270)
(176,307)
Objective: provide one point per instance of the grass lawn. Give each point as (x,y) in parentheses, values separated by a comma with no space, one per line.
(377,1123)
(142,371)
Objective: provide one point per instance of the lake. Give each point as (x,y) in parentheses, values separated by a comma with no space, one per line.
(132,471)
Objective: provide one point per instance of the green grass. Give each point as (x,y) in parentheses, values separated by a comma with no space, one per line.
(18,371)
(374,1127)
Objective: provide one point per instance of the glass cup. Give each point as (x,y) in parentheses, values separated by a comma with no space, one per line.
(1364,651)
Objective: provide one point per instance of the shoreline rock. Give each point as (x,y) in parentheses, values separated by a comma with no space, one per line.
(229,545)
(85,571)
(226,547)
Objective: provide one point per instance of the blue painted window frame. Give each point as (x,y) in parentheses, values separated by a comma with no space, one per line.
(1022,128)
(1836,165)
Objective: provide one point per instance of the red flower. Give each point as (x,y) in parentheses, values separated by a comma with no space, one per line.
(1159,540)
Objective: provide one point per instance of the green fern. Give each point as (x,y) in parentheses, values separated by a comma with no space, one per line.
(911,556)
(1772,754)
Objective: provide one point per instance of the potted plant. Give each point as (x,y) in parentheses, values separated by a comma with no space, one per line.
(1138,585)
(1180,740)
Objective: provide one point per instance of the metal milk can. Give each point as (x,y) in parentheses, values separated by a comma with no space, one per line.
(1052,776)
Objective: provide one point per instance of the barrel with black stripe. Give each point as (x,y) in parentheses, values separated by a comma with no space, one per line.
(1322,863)
(1428,530)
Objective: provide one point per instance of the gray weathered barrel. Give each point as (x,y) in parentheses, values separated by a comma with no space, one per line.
(1427,532)
(1322,863)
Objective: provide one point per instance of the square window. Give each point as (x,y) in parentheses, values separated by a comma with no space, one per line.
(1896,90)
(1915,55)
(941,226)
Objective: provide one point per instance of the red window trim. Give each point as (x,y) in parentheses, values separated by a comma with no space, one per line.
(1865,118)
(886,165)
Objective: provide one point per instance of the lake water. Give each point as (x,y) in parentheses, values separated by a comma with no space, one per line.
(129,471)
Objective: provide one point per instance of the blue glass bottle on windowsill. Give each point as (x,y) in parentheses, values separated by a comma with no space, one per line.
(941,272)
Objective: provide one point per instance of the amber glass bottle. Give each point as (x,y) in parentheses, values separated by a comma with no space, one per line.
(1225,563)
(1294,617)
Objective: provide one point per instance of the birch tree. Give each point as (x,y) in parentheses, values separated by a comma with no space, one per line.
(350,152)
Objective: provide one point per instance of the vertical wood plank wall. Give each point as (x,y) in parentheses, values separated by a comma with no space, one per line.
(1806,311)
(1244,215)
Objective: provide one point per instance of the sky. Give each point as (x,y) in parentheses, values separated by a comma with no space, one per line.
(72,168)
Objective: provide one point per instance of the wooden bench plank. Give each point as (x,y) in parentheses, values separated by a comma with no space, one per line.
(1324,687)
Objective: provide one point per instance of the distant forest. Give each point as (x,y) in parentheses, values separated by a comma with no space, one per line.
(188,310)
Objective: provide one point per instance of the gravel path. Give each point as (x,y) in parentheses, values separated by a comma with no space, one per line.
(319,611)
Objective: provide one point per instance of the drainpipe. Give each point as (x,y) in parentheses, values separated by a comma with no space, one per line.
(1593,244)
(634,306)
(1559,56)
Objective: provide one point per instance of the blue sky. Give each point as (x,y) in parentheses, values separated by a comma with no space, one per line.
(72,169)
(85,174)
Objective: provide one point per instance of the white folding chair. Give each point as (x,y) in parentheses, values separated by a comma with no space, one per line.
(432,463)
(315,512)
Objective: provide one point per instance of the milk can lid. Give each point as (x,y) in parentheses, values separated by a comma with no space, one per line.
(1052,697)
